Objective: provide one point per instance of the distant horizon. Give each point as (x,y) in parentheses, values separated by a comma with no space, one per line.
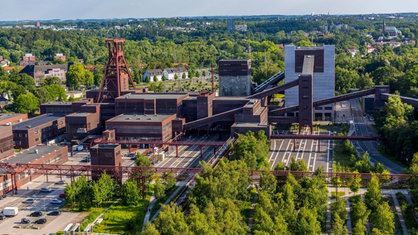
(206,16)
(46,10)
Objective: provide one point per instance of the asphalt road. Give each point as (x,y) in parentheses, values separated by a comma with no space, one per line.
(364,127)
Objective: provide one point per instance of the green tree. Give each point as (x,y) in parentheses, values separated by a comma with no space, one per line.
(169,180)
(298,165)
(336,181)
(307,222)
(197,222)
(383,219)
(130,193)
(263,223)
(51,80)
(355,182)
(150,230)
(338,227)
(26,103)
(359,228)
(142,160)
(373,196)
(359,214)
(159,188)
(79,193)
(268,182)
(103,189)
(171,221)
(77,76)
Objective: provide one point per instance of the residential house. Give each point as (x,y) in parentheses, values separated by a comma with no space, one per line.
(60,56)
(39,72)
(4,62)
(28,59)
(170,73)
(151,74)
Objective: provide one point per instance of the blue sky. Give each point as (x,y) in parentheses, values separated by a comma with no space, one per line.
(83,9)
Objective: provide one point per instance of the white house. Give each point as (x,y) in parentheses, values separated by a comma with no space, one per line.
(170,73)
(151,74)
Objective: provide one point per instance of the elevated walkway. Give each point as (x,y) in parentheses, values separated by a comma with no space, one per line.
(271,81)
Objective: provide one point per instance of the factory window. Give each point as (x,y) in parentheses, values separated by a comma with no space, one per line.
(37,139)
(328,108)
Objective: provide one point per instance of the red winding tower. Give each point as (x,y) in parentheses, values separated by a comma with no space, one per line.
(117,77)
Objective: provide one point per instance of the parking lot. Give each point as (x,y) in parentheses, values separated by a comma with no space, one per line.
(42,201)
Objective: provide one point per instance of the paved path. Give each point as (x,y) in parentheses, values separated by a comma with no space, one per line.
(399,212)
(348,224)
(250,219)
(151,205)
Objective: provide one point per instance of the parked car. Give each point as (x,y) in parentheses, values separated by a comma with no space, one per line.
(86,159)
(36,214)
(55,201)
(29,200)
(25,221)
(60,182)
(54,212)
(45,190)
(40,221)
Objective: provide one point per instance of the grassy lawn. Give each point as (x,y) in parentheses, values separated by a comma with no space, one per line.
(94,212)
(340,194)
(117,218)
(341,160)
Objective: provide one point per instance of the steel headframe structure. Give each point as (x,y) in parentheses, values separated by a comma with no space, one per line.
(117,76)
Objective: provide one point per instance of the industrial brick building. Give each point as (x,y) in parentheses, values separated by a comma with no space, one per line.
(12,118)
(6,141)
(142,127)
(323,77)
(106,155)
(234,77)
(81,124)
(150,103)
(39,155)
(64,107)
(38,130)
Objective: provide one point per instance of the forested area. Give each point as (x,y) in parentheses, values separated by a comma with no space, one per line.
(221,202)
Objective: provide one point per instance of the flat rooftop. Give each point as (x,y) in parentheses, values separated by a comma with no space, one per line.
(231,98)
(79,114)
(105,146)
(37,121)
(153,96)
(248,124)
(139,118)
(5,116)
(56,103)
(32,154)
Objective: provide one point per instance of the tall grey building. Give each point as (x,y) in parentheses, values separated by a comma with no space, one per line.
(323,77)
(235,77)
